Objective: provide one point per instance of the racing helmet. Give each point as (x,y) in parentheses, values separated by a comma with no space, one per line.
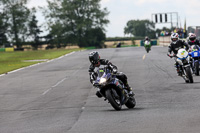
(192,37)
(94,57)
(174,37)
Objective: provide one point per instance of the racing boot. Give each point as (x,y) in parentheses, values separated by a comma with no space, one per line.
(129,89)
(179,72)
(98,94)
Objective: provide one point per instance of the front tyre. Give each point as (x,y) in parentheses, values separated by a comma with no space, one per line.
(130,103)
(189,74)
(196,65)
(113,101)
(147,49)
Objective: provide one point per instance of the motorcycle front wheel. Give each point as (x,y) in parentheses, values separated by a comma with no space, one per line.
(113,100)
(189,74)
(147,49)
(196,68)
(130,103)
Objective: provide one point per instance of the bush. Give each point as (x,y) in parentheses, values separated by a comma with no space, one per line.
(133,40)
(95,37)
(50,47)
(19,49)
(123,38)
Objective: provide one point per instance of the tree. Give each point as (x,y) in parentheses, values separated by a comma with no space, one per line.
(34,31)
(140,28)
(95,37)
(3,28)
(18,15)
(70,20)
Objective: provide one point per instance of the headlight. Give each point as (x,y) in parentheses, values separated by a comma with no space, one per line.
(102,80)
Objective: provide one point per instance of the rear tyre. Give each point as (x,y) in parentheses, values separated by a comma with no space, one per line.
(113,101)
(189,74)
(196,68)
(130,103)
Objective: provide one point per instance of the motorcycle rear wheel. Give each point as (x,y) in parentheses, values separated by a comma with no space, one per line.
(112,100)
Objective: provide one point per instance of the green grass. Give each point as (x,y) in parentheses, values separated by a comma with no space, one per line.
(13,60)
(129,45)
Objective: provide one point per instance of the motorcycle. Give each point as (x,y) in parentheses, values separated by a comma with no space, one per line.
(112,89)
(147,45)
(195,58)
(183,60)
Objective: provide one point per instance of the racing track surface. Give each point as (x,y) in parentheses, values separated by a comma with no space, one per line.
(57,97)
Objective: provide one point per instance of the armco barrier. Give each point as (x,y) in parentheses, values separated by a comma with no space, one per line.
(2,49)
(9,49)
(164,40)
(154,42)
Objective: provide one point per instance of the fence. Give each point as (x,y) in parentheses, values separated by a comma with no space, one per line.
(164,40)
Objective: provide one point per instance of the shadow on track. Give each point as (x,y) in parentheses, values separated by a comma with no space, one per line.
(189,83)
(126,109)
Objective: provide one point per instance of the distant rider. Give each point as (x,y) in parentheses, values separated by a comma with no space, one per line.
(147,39)
(174,46)
(97,62)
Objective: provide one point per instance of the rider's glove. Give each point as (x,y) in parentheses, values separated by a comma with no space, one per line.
(114,70)
(94,84)
(170,55)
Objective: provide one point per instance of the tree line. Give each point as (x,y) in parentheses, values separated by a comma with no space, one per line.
(69,22)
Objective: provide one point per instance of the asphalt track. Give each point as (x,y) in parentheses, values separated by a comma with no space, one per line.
(57,97)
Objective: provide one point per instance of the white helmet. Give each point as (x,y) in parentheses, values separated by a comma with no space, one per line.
(174,37)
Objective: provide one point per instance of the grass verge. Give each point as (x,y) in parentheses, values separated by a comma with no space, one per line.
(14,60)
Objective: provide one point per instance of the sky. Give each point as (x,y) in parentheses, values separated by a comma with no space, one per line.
(121,11)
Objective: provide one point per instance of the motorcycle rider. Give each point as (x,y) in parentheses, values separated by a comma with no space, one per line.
(97,62)
(147,39)
(174,46)
(192,40)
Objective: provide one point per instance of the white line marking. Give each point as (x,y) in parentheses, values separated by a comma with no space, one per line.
(46,91)
(143,57)
(59,82)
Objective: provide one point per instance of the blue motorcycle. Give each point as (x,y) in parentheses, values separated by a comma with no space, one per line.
(195,60)
(112,89)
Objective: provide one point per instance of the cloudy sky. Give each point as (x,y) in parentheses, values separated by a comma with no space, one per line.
(121,11)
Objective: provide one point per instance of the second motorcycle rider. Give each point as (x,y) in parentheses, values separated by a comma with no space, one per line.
(175,45)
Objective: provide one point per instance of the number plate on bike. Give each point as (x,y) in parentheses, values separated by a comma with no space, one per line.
(196,54)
